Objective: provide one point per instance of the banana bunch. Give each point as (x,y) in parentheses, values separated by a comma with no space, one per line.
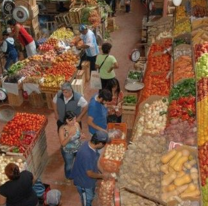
(53,81)
(62,34)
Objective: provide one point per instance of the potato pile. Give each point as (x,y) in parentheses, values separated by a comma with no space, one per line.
(6,160)
(182,50)
(131,199)
(180,175)
(141,165)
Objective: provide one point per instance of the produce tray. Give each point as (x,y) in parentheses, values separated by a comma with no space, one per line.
(130,106)
(112,165)
(119,126)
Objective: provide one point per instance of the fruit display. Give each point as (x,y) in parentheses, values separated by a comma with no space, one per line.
(45,47)
(52,81)
(180,12)
(152,118)
(22,130)
(201,66)
(183,69)
(181,27)
(16,67)
(6,160)
(62,68)
(63,34)
(202,3)
(202,120)
(180,174)
(94,18)
(199,11)
(141,165)
(68,57)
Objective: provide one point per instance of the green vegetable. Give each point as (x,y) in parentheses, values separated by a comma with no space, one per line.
(135,75)
(15,150)
(130,99)
(184,89)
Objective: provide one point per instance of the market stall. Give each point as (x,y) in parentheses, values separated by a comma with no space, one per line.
(166,160)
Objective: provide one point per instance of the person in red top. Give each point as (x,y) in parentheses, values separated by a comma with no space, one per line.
(23,37)
(114,107)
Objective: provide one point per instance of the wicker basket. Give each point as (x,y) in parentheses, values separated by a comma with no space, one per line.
(36,100)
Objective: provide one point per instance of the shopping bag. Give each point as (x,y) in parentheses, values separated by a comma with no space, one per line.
(95,81)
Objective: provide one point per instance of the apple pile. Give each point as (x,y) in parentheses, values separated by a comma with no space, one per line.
(46,47)
(200,49)
(67,57)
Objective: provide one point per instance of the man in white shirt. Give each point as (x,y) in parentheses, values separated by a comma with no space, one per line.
(68,100)
(90,45)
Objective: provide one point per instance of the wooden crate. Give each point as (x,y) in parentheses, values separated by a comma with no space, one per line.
(111,24)
(75,14)
(15,100)
(86,67)
(129,107)
(78,86)
(81,75)
(34,11)
(49,99)
(128,117)
(36,100)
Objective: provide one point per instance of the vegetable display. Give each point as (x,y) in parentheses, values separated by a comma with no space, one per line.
(135,75)
(180,175)
(183,69)
(22,130)
(152,118)
(130,99)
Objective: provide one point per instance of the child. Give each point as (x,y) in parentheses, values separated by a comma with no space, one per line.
(53,198)
(8,47)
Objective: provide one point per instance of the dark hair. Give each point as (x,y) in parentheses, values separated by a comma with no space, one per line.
(105,94)
(5,33)
(69,115)
(95,141)
(112,83)
(106,47)
(12,171)
(11,22)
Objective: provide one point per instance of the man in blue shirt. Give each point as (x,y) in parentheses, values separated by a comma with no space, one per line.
(90,45)
(85,171)
(97,112)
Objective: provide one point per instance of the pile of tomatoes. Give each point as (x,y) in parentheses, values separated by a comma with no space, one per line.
(16,132)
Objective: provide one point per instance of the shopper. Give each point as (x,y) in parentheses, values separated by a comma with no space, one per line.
(97,111)
(112,4)
(68,100)
(114,107)
(70,139)
(85,171)
(90,45)
(23,37)
(106,64)
(8,48)
(18,190)
(53,198)
(128,5)
(61,7)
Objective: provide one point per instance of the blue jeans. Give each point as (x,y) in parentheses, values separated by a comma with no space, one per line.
(68,162)
(86,194)
(9,62)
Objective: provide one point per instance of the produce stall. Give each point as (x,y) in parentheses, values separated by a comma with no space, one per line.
(166,160)
(23,139)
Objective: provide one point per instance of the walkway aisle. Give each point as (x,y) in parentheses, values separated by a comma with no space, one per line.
(124,40)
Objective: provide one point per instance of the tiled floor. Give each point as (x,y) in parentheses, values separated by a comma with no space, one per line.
(124,40)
